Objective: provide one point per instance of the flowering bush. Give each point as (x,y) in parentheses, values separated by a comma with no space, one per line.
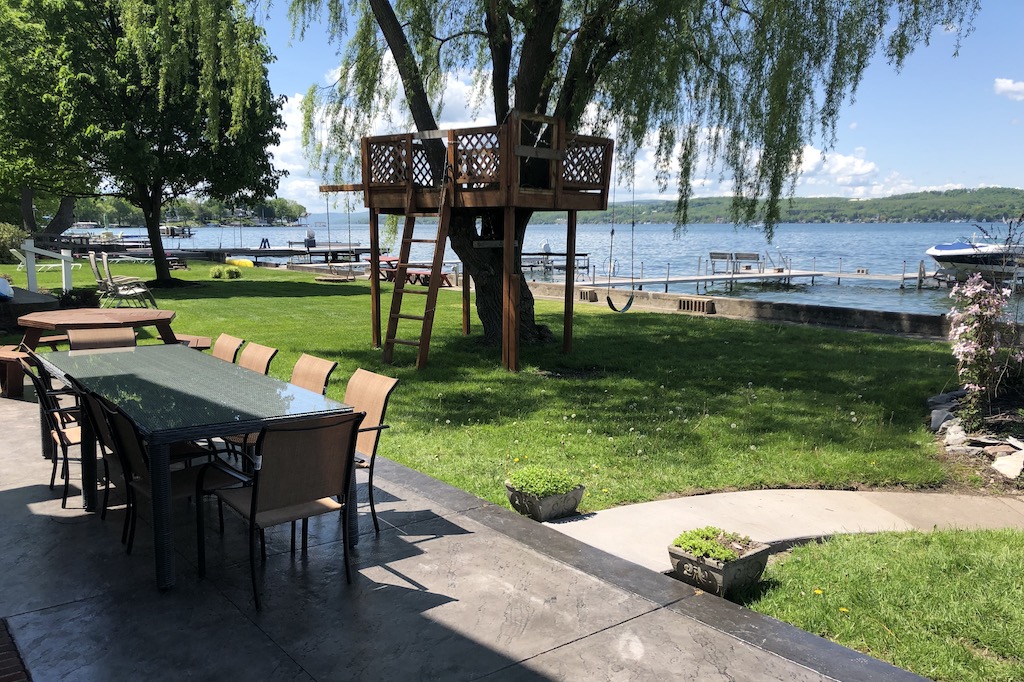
(979,334)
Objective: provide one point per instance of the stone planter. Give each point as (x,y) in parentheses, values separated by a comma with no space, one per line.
(717,577)
(544,508)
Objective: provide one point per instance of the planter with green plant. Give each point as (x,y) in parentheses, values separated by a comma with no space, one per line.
(542,493)
(716,561)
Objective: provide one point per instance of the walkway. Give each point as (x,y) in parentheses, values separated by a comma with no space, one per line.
(640,532)
(452,589)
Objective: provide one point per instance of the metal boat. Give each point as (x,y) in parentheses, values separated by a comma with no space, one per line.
(993,259)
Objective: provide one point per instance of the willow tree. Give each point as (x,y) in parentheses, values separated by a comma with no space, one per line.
(741,85)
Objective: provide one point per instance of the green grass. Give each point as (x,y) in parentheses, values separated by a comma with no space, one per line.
(647,405)
(944,604)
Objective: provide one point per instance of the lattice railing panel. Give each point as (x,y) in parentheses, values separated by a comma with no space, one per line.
(477,158)
(388,165)
(584,164)
(423,174)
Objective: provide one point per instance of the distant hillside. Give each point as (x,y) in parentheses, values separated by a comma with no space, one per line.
(986,205)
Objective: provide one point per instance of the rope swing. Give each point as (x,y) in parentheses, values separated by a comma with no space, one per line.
(611,252)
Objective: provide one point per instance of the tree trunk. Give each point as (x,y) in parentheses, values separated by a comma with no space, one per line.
(63,219)
(151,210)
(28,214)
(484,265)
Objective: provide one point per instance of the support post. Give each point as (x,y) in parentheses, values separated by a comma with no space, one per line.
(510,299)
(375,278)
(570,281)
(465,304)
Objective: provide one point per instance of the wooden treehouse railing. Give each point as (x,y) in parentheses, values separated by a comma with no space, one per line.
(526,162)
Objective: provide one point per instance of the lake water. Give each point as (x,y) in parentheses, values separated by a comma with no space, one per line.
(879,248)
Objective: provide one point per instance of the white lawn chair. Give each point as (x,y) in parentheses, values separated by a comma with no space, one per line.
(40,267)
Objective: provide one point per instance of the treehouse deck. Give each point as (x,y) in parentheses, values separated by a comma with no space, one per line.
(527,162)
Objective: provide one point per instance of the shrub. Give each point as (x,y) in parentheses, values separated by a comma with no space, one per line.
(541,481)
(712,543)
(982,343)
(77,298)
(232,272)
(216,272)
(11,237)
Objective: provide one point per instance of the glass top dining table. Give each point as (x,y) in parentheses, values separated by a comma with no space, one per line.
(175,394)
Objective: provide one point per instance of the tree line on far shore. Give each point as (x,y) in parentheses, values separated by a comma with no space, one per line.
(984,205)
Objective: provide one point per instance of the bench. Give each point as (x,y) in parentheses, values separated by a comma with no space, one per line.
(753,258)
(196,342)
(422,277)
(52,341)
(12,378)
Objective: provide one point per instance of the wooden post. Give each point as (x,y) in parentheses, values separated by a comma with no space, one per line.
(465,304)
(570,282)
(374,278)
(510,298)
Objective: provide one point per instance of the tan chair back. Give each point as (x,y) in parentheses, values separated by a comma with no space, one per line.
(312,373)
(305,460)
(369,392)
(105,337)
(130,449)
(226,347)
(256,357)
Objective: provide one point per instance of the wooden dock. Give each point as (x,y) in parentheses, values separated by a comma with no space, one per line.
(782,275)
(327,253)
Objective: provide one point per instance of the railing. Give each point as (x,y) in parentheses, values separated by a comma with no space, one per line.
(526,161)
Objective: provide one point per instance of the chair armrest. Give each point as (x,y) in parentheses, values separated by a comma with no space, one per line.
(374,428)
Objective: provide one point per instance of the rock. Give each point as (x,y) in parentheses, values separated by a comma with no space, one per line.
(1000,450)
(944,398)
(940,417)
(955,435)
(1010,466)
(964,450)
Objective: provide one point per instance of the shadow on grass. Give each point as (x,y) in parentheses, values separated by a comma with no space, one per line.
(256,289)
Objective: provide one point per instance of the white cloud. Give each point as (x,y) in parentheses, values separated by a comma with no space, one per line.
(1009,88)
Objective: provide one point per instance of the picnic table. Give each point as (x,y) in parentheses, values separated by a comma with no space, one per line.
(95,318)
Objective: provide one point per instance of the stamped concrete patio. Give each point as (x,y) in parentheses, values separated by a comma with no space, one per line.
(453,588)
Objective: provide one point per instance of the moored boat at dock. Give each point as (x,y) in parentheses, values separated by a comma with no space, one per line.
(992,259)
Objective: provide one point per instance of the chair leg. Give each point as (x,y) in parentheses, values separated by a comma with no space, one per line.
(200,539)
(293,538)
(373,507)
(346,510)
(53,474)
(220,514)
(252,563)
(305,536)
(133,516)
(106,489)
(263,545)
(67,478)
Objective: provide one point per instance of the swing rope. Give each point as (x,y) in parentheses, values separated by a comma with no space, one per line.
(632,254)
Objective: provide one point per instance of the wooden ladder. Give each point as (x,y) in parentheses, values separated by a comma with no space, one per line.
(402,284)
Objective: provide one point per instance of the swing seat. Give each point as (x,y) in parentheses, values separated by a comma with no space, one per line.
(624,308)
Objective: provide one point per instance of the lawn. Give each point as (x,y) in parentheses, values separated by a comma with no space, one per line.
(648,405)
(944,604)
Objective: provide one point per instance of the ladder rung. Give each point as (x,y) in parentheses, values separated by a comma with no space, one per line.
(405,342)
(418,292)
(420,241)
(404,316)
(422,214)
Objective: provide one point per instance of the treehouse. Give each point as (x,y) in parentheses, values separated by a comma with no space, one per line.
(527,162)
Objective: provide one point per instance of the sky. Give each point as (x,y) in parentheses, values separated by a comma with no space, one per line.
(942,122)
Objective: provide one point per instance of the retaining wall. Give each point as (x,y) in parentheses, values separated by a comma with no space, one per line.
(741,308)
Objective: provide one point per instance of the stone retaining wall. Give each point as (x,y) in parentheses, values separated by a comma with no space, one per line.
(799,313)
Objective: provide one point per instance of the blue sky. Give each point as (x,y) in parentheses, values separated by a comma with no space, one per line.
(943,122)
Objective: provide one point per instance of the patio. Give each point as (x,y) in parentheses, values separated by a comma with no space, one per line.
(452,588)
